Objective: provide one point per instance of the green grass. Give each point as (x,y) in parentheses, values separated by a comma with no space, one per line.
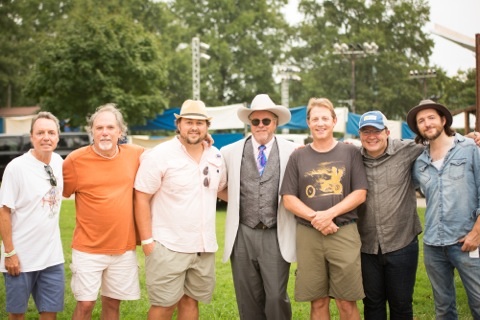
(223,305)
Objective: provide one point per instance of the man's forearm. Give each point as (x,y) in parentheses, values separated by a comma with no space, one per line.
(143,216)
(6,228)
(297,207)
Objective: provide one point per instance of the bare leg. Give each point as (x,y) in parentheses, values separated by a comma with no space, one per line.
(188,308)
(161,313)
(110,308)
(320,309)
(83,310)
(348,310)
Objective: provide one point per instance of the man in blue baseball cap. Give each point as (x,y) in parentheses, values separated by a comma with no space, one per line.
(388,229)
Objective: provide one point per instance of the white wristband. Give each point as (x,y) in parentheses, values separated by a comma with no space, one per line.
(10,254)
(148,241)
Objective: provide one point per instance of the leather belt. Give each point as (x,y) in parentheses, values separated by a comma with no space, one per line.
(262,226)
(341,224)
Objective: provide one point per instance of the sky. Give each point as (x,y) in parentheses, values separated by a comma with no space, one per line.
(457,15)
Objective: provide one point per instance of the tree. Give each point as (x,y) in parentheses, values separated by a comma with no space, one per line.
(246,40)
(98,57)
(23,24)
(459,92)
(381,81)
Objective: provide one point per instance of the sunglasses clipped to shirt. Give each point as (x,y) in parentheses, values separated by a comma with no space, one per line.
(53,180)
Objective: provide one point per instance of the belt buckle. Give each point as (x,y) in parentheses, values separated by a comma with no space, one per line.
(261,226)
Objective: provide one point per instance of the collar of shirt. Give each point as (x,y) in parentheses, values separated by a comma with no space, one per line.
(268,146)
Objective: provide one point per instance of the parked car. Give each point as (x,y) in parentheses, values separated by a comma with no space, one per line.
(14,145)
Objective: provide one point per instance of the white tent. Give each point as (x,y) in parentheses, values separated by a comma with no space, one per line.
(459,121)
(225,117)
(18,125)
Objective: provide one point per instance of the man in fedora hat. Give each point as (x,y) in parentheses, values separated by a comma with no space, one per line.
(448,171)
(259,232)
(176,193)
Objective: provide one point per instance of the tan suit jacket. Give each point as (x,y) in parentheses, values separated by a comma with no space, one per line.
(286,224)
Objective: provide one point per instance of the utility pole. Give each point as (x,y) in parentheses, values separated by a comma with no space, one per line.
(197,53)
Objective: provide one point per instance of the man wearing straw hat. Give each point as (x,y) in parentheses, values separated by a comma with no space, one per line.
(176,193)
(259,232)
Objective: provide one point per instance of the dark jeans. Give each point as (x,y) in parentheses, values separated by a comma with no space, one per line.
(390,278)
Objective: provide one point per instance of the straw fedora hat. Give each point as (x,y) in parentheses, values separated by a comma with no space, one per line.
(262,102)
(193,109)
(427,104)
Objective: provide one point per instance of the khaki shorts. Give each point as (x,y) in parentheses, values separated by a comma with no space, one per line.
(328,266)
(116,275)
(170,275)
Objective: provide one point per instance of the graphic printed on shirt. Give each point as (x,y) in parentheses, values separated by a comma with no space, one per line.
(325,180)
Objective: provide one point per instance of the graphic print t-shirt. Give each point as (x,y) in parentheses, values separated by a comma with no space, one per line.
(321,180)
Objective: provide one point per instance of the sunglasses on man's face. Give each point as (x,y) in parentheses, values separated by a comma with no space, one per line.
(256,122)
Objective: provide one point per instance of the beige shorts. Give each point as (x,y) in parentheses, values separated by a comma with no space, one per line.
(170,275)
(115,275)
(328,266)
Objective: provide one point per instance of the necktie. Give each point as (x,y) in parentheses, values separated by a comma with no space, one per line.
(261,159)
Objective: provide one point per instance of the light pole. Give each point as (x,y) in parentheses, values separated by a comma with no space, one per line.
(197,53)
(353,51)
(286,74)
(424,75)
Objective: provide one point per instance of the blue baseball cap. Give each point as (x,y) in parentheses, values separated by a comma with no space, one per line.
(373,118)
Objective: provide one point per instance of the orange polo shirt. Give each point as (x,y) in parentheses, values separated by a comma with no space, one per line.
(103,191)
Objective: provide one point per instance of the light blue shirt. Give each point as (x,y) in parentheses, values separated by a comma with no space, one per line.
(452,192)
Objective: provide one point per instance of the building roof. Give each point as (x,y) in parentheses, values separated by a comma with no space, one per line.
(18,111)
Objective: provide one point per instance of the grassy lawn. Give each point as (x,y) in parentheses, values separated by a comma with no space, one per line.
(223,305)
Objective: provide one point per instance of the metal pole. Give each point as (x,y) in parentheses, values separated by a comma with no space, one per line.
(477,81)
(353,97)
(424,88)
(196,68)
(285,93)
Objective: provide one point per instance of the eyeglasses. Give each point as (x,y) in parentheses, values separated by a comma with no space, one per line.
(53,180)
(206,181)
(371,132)
(256,122)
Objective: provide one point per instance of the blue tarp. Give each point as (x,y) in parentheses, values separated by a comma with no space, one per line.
(223,139)
(166,121)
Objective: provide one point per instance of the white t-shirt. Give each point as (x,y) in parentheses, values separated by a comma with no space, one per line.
(35,209)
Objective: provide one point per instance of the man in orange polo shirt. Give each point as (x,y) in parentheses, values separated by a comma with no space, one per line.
(101,176)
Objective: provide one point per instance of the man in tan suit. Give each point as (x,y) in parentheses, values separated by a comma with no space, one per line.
(259,233)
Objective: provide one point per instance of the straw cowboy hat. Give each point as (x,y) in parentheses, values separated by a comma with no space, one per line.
(262,102)
(193,109)
(427,104)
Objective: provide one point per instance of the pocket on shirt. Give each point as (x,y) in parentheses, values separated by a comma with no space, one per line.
(456,169)
(422,175)
(214,169)
(396,174)
(179,176)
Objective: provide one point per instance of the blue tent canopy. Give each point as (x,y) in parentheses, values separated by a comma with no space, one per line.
(166,121)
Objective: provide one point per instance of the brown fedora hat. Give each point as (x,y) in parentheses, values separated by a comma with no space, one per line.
(427,104)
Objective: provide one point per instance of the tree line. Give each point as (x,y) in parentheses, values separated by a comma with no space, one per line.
(71,56)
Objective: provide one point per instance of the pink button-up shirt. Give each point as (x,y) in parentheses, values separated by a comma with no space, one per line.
(183,208)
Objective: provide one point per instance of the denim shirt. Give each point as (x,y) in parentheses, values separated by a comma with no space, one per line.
(452,192)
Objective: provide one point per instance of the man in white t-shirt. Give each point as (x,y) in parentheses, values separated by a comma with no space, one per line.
(30,198)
